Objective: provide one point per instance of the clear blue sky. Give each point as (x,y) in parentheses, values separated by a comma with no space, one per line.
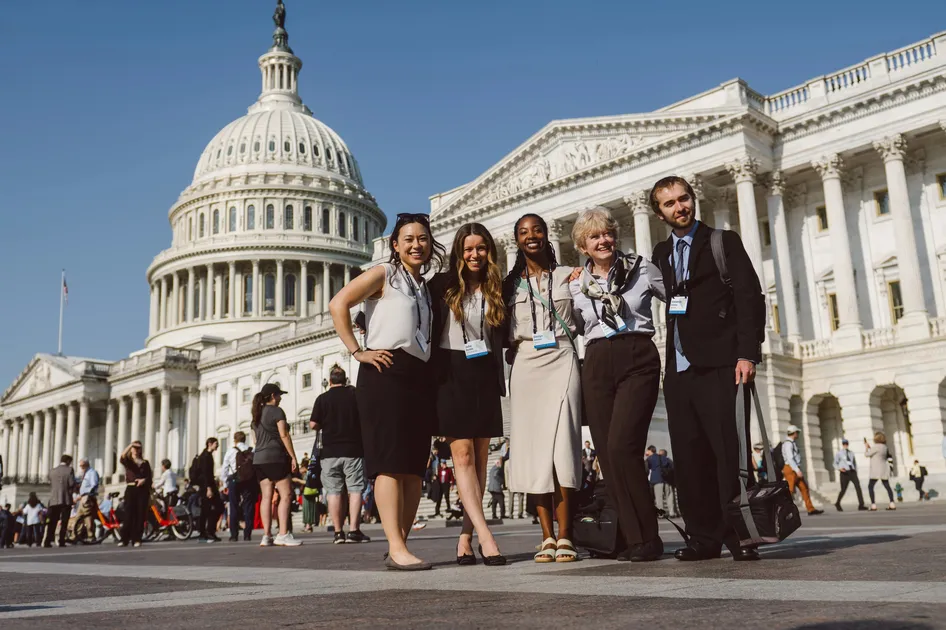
(106,107)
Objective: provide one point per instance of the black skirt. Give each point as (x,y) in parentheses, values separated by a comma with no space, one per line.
(468,396)
(396,412)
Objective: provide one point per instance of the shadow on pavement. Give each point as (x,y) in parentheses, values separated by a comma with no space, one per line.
(865,624)
(815,546)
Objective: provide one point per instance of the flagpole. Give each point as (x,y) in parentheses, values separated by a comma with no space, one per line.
(62,282)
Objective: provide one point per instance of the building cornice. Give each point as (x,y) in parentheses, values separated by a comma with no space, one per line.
(322,334)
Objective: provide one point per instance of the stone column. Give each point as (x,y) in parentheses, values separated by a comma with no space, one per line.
(556,230)
(34,445)
(193,420)
(5,443)
(58,439)
(303,289)
(640,208)
(257,289)
(699,194)
(722,218)
(70,445)
(153,312)
(234,405)
(231,295)
(162,304)
(189,315)
(782,257)
(326,285)
(14,450)
(626,243)
(47,455)
(280,288)
(176,298)
(83,443)
(347,276)
(108,467)
(24,461)
(209,295)
(848,335)
(743,171)
(148,442)
(164,428)
(925,403)
(914,324)
(218,296)
(122,439)
(134,422)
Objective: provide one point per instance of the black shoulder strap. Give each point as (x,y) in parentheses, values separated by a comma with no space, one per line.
(719,255)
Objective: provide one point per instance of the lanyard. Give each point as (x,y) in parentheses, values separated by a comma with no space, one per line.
(535,325)
(410,283)
(482,319)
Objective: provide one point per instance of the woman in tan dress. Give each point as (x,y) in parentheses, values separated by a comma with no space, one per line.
(544,385)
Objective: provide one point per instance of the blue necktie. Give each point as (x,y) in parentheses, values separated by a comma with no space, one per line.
(680,272)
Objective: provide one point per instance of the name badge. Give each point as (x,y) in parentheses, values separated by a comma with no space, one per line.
(475,349)
(544,339)
(610,332)
(421,342)
(678,305)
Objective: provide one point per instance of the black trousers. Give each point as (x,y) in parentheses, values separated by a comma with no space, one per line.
(620,381)
(850,477)
(57,514)
(136,507)
(701,413)
(870,489)
(499,499)
(210,510)
(241,494)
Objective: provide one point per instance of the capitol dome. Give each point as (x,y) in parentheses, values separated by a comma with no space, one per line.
(274,223)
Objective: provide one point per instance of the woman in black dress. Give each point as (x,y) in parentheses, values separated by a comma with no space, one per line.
(395,389)
(469,329)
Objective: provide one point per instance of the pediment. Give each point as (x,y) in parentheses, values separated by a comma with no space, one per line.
(886,262)
(564,151)
(42,374)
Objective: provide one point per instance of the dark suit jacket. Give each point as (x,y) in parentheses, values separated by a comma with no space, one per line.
(496,336)
(720,326)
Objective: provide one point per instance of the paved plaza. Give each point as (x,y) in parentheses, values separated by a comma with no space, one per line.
(849,570)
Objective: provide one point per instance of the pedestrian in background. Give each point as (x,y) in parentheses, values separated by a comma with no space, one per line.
(241,494)
(32,512)
(495,485)
(62,481)
(846,465)
(137,494)
(792,469)
(879,469)
(918,475)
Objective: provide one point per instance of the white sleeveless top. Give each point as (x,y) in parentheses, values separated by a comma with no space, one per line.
(392,320)
(452,336)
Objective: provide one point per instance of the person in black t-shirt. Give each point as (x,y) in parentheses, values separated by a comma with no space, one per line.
(335,413)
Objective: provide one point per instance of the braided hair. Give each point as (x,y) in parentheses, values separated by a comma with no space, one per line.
(509,284)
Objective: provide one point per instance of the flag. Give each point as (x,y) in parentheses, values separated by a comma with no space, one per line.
(65,290)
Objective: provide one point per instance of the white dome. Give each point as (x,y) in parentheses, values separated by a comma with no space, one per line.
(283,138)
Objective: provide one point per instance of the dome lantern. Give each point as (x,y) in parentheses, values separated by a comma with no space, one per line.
(280,69)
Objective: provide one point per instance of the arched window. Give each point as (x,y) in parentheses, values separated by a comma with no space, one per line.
(242,148)
(190,229)
(248,293)
(226,295)
(302,148)
(286,146)
(270,217)
(272,145)
(251,217)
(269,293)
(229,150)
(354,228)
(342,227)
(310,288)
(196,313)
(200,227)
(367,236)
(325,220)
(289,292)
(288,218)
(216,223)
(307,218)
(233,221)
(256,146)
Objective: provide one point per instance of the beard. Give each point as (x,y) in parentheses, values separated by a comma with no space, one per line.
(681,223)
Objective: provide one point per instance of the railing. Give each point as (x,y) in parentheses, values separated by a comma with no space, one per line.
(847,78)
(938,327)
(815,348)
(879,337)
(161,356)
(913,55)
(786,100)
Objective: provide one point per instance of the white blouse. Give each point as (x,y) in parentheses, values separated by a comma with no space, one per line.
(452,337)
(392,320)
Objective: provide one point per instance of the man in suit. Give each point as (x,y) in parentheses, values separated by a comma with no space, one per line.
(62,481)
(714,334)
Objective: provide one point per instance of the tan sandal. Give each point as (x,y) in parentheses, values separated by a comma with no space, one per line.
(565,551)
(548,551)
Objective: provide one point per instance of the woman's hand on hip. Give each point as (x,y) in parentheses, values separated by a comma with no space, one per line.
(378,358)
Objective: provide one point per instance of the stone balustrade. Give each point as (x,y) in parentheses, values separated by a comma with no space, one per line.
(879,338)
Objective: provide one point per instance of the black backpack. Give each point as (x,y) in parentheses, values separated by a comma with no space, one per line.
(779,461)
(719,256)
(244,466)
(193,473)
(666,471)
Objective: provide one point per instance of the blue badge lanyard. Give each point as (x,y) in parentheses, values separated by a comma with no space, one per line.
(482,319)
(410,283)
(535,324)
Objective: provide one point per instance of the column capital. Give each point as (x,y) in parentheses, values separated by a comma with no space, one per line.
(556,229)
(744,169)
(506,242)
(776,184)
(829,166)
(639,202)
(318,361)
(697,184)
(193,391)
(293,369)
(891,147)
(234,382)
(165,389)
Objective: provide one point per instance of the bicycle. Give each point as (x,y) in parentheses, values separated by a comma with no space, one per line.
(105,524)
(174,521)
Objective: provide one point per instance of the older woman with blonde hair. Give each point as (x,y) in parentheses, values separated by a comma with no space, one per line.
(621,373)
(879,468)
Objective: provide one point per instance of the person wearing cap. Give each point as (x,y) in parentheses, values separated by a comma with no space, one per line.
(792,469)
(846,466)
(274,461)
(758,463)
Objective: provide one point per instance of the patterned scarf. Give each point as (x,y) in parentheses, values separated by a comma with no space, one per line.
(620,279)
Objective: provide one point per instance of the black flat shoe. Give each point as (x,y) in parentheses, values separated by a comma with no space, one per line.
(466,560)
(648,551)
(745,555)
(694,553)
(492,561)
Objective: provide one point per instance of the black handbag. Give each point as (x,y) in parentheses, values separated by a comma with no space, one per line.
(764,513)
(595,526)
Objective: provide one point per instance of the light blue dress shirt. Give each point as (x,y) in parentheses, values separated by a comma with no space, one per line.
(90,482)
(682,362)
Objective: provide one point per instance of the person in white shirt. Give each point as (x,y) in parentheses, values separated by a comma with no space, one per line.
(168,483)
(792,469)
(846,466)
(239,492)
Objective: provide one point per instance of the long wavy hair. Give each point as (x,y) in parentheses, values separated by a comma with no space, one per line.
(509,284)
(491,281)
(256,409)
(437,251)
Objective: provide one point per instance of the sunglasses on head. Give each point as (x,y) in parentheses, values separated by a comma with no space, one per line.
(410,217)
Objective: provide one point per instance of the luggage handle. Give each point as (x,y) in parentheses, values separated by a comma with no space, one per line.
(750,395)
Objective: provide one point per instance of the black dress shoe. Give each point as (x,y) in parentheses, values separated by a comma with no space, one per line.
(466,560)
(745,555)
(816,512)
(838,505)
(693,552)
(648,551)
(492,561)
(863,508)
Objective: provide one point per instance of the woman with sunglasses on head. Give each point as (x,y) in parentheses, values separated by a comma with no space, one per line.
(544,384)
(137,493)
(395,389)
(621,374)
(469,328)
